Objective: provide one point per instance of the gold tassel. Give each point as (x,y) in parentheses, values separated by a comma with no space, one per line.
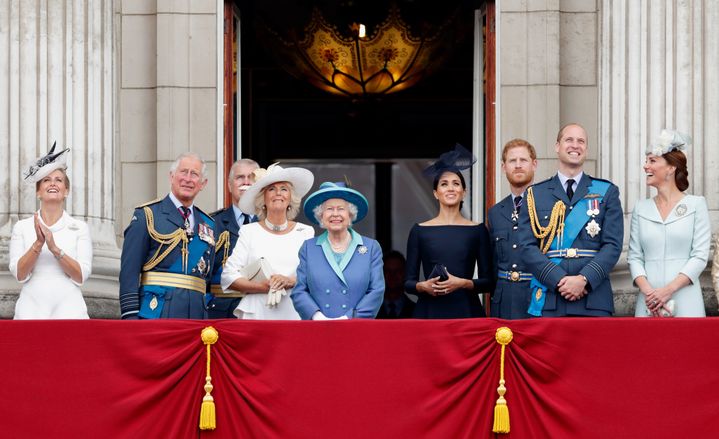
(501,410)
(207,411)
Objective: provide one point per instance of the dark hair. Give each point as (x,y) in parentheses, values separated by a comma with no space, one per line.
(677,159)
(455,172)
(435,183)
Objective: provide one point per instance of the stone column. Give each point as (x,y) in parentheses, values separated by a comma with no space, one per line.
(56,83)
(658,69)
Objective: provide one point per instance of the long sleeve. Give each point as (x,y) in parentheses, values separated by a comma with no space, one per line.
(601,265)
(303,301)
(700,243)
(134,251)
(635,254)
(484,283)
(413,261)
(369,304)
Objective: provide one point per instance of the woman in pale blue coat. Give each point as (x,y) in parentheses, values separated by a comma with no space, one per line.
(669,236)
(340,273)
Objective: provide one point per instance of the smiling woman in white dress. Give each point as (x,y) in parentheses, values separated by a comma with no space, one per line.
(669,236)
(50,252)
(275,239)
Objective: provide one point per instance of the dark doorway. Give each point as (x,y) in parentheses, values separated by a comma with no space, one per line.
(285,118)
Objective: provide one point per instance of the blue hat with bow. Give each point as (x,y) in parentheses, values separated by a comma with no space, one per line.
(329,190)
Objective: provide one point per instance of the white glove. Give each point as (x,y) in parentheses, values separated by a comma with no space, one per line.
(319,316)
(275,296)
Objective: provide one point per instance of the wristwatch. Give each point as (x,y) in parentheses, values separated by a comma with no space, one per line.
(60,255)
(586,281)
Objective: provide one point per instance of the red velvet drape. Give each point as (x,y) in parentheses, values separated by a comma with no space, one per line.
(566,378)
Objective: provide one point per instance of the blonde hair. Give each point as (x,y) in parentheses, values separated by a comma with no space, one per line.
(292,210)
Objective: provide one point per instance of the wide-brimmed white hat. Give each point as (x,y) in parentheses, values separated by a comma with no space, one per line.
(43,166)
(300,178)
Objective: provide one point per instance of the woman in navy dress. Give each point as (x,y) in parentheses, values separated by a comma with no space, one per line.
(453,241)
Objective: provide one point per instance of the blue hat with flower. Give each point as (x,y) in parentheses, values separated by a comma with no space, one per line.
(329,190)
(669,140)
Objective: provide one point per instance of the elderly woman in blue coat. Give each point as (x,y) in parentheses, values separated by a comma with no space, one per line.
(340,272)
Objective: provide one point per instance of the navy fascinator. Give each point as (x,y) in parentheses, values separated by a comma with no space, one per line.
(458,159)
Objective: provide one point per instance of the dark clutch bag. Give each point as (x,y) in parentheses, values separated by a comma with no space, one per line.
(439,270)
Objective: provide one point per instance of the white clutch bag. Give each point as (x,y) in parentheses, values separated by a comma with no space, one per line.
(257,271)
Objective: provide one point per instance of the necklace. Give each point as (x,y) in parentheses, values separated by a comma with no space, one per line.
(274,228)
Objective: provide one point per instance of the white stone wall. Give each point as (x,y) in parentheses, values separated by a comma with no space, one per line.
(547,52)
(659,63)
(167,96)
(56,83)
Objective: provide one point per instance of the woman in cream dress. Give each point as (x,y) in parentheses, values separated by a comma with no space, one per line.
(669,236)
(275,238)
(50,252)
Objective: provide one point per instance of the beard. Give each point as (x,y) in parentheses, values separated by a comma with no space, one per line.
(520,179)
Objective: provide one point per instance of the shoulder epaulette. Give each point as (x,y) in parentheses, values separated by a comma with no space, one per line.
(217,212)
(140,206)
(546,180)
(600,179)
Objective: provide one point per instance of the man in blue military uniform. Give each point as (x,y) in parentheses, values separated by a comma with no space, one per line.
(228,222)
(512,294)
(571,232)
(169,250)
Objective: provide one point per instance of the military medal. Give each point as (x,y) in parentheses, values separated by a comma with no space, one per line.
(593,228)
(188,227)
(593,208)
(206,234)
(681,209)
(201,265)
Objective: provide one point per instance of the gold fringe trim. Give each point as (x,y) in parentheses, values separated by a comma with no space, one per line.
(207,411)
(501,410)
(223,240)
(554,226)
(170,240)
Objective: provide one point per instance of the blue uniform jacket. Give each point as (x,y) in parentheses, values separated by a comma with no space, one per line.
(223,307)
(354,288)
(139,247)
(510,299)
(608,242)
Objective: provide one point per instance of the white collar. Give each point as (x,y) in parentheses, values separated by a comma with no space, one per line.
(177,203)
(563,179)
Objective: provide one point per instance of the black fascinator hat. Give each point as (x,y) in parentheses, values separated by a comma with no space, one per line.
(455,160)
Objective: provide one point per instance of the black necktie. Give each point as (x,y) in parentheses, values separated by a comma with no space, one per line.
(246,219)
(570,191)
